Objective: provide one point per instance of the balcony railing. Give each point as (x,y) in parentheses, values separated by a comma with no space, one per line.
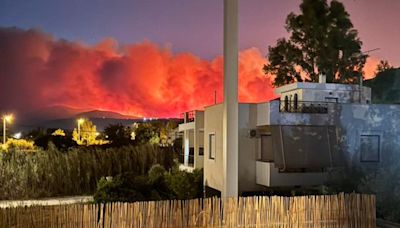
(188,116)
(190,159)
(303,106)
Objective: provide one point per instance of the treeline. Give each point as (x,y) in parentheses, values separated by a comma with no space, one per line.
(49,173)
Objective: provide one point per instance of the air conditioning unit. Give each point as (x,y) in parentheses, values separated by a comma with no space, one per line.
(254,133)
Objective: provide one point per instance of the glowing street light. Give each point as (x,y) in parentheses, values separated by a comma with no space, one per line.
(6,119)
(80,121)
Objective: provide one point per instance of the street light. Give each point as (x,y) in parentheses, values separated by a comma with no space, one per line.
(6,119)
(80,121)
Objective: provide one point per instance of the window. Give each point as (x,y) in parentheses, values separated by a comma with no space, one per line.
(370,148)
(201,151)
(211,140)
(295,101)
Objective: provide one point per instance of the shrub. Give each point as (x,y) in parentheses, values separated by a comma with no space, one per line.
(158,184)
(20,144)
(185,185)
(383,181)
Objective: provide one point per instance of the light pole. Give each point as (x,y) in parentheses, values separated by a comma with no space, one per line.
(6,118)
(80,121)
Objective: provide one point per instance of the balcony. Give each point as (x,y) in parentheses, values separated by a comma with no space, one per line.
(186,162)
(189,116)
(268,175)
(275,113)
(303,107)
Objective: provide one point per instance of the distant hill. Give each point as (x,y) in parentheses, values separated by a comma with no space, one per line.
(385,87)
(53,112)
(65,117)
(104,115)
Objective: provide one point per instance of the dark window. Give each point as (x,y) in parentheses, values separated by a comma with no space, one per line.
(370,148)
(201,151)
(211,140)
(295,101)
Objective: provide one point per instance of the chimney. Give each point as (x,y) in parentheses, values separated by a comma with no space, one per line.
(322,78)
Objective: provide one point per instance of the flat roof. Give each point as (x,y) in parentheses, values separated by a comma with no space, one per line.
(318,86)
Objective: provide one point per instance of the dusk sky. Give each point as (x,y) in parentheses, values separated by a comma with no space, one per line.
(136,37)
(190,25)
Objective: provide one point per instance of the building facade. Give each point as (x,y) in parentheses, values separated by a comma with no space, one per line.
(296,139)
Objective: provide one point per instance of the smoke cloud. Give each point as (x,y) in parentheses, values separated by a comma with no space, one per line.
(141,79)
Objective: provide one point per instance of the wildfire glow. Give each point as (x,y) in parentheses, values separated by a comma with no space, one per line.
(139,79)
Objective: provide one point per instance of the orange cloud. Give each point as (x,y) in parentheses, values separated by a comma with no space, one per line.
(139,79)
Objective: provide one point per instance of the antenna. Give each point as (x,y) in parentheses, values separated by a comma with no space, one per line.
(375,49)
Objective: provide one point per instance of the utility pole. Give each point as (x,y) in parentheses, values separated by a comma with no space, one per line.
(230,126)
(6,118)
(4,131)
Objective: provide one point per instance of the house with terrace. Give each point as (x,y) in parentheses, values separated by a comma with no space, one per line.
(294,140)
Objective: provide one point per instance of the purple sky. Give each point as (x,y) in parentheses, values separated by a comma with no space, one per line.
(193,25)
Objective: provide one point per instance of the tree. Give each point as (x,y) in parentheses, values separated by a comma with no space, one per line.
(118,134)
(146,133)
(322,40)
(58,132)
(383,66)
(87,135)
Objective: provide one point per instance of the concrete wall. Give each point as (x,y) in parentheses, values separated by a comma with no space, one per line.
(378,119)
(213,175)
(248,148)
(270,176)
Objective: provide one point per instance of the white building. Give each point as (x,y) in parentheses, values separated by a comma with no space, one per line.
(192,140)
(295,140)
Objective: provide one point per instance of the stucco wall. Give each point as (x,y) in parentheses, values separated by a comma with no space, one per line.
(198,139)
(378,119)
(248,148)
(213,175)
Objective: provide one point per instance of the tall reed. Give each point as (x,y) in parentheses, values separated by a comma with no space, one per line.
(53,173)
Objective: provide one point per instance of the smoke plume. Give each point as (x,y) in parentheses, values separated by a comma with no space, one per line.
(141,79)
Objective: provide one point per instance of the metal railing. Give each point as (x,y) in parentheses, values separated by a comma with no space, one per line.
(303,106)
(188,116)
(181,159)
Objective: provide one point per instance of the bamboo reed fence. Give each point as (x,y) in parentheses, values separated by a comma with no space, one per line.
(342,210)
